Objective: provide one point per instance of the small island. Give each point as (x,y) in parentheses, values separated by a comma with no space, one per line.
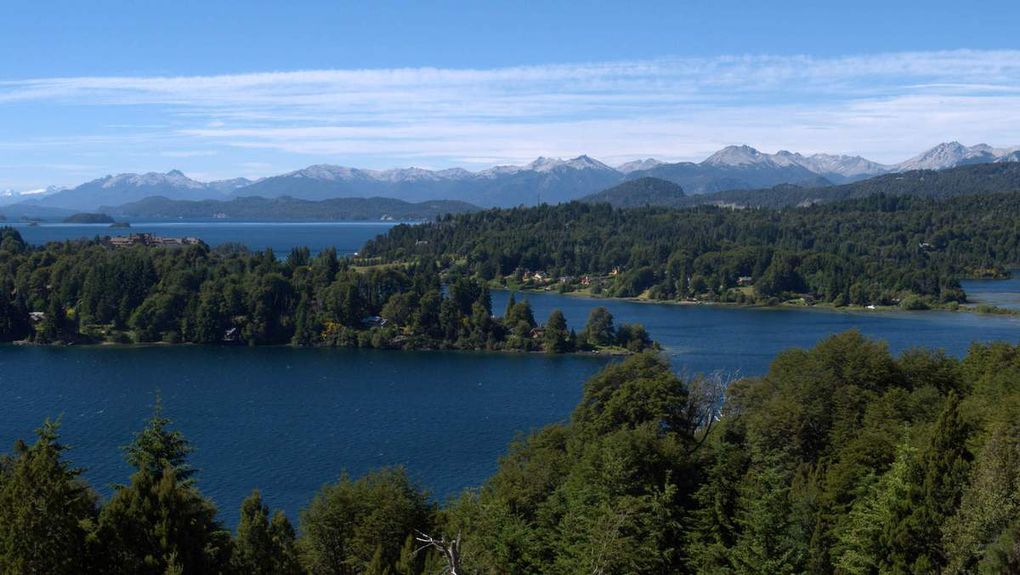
(89,218)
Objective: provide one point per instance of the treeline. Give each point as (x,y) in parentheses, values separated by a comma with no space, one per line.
(89,291)
(842,459)
(880,250)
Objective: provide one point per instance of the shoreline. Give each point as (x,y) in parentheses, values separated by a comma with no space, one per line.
(604,352)
(969,307)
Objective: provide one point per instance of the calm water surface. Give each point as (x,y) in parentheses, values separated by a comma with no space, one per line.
(1001,293)
(288,420)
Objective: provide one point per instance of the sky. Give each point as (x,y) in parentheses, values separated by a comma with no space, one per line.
(222,89)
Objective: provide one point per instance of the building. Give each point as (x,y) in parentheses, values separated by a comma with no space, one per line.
(145,239)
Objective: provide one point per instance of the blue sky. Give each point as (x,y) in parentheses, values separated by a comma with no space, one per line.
(220,89)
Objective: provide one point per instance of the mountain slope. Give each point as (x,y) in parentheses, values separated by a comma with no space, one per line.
(706,178)
(548,180)
(640,192)
(545,179)
(935,184)
(123,188)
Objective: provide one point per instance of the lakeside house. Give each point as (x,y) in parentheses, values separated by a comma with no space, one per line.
(146,239)
(374,321)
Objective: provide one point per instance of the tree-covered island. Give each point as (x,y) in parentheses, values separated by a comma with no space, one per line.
(146,289)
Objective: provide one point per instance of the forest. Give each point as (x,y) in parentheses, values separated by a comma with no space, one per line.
(842,458)
(88,291)
(881,250)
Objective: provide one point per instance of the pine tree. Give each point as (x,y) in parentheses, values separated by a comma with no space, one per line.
(44,509)
(263,546)
(378,566)
(159,522)
(409,562)
(556,338)
(913,538)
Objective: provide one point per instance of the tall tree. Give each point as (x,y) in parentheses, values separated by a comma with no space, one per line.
(264,546)
(45,509)
(159,522)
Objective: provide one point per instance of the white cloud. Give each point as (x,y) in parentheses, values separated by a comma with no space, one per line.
(886,106)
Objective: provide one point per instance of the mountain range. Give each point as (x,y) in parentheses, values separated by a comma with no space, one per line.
(546,180)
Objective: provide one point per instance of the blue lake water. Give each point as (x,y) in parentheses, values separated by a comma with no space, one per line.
(1001,293)
(288,420)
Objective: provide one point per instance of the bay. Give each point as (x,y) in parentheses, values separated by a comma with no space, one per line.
(288,420)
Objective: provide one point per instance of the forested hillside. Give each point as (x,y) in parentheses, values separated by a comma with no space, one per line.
(934,184)
(285,208)
(91,291)
(841,459)
(880,250)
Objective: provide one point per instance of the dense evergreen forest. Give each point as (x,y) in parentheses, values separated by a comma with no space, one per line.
(841,459)
(932,184)
(90,291)
(879,250)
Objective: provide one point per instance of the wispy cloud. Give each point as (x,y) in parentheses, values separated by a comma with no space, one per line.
(885,106)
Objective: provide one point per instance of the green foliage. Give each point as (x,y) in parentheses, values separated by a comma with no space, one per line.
(603,494)
(842,459)
(159,522)
(89,290)
(45,511)
(875,250)
(557,338)
(264,546)
(599,331)
(353,525)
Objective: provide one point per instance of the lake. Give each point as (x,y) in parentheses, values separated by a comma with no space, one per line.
(288,420)
(1001,293)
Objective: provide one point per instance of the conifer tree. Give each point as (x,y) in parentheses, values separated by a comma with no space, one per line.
(263,546)
(159,522)
(44,509)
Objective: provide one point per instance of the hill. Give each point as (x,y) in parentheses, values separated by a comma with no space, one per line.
(641,192)
(88,218)
(290,209)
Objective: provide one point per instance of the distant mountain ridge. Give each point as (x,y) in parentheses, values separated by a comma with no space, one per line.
(548,180)
(253,208)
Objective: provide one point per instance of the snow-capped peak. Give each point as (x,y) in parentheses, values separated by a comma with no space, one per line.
(737,156)
(637,165)
(325,172)
(174,178)
(948,155)
(582,162)
(544,164)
